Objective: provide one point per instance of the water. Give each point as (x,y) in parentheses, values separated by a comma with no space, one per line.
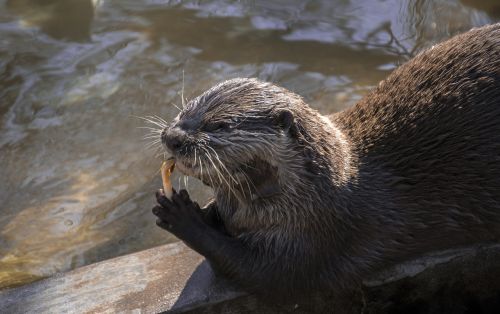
(77,180)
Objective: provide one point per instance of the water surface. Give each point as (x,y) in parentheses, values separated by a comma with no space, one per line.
(77,179)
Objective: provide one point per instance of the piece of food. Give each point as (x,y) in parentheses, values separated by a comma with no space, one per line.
(167,167)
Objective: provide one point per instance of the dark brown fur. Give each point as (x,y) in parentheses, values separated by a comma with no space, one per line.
(412,168)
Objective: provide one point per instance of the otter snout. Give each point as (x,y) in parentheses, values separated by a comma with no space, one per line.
(173,138)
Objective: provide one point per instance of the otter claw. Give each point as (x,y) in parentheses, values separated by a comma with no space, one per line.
(163,200)
(164,225)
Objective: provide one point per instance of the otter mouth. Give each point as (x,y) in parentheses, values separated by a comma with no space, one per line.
(186,167)
(201,171)
(255,178)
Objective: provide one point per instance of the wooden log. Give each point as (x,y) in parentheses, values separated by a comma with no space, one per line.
(173,278)
(164,278)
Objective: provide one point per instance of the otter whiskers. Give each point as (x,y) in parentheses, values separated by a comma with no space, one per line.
(154,133)
(218,172)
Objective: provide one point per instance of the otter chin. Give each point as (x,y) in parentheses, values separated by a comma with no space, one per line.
(305,202)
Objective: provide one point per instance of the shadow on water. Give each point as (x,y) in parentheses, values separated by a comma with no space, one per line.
(60,19)
(250,45)
(491,7)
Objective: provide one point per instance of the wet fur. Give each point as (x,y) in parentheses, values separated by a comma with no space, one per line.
(413,167)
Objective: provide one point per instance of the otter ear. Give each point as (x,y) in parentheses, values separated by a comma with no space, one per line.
(285,120)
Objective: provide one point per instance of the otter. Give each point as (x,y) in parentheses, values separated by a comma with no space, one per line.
(306,202)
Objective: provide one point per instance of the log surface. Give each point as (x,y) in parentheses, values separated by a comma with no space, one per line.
(173,278)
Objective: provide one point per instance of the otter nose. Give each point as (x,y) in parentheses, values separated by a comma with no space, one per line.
(173,138)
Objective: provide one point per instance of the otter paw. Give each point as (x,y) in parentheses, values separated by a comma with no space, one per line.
(179,216)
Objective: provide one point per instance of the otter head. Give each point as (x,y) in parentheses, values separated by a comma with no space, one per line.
(244,137)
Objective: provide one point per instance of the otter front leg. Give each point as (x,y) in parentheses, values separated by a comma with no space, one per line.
(181,216)
(208,213)
(211,216)
(228,255)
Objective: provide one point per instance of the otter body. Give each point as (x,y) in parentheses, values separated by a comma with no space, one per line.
(305,202)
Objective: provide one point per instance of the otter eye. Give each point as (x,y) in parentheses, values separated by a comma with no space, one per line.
(216,126)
